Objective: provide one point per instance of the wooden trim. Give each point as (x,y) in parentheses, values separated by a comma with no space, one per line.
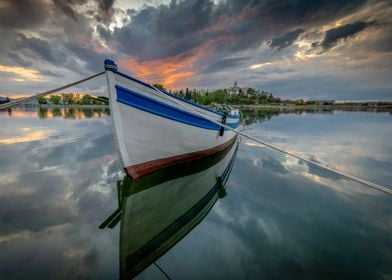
(140,170)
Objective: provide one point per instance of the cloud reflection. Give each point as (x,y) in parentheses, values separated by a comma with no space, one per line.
(54,192)
(28,136)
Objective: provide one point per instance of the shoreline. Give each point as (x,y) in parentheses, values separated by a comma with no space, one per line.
(273,106)
(63,106)
(239,106)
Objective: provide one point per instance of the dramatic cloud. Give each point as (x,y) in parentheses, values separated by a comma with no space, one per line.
(225,63)
(105,5)
(66,8)
(22,14)
(198,43)
(286,39)
(332,36)
(159,32)
(39,48)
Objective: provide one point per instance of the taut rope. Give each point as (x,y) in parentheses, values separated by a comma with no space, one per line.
(42,94)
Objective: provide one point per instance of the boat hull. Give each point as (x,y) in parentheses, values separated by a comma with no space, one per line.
(154,129)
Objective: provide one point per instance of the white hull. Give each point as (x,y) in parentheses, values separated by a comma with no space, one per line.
(146,136)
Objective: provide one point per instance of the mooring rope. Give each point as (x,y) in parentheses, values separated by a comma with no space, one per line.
(164,273)
(42,94)
(346,175)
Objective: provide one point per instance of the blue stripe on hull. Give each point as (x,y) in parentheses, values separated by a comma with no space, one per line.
(145,103)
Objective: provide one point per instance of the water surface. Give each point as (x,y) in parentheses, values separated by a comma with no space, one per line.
(280,219)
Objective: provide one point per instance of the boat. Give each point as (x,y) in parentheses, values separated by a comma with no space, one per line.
(156,129)
(160,209)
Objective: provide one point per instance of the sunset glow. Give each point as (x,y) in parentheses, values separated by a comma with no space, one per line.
(172,72)
(22,74)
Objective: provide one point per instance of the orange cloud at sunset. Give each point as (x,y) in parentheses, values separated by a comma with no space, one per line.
(175,71)
(172,72)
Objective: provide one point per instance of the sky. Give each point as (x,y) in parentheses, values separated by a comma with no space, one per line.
(311,49)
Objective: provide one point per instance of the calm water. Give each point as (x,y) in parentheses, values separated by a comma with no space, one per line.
(279,219)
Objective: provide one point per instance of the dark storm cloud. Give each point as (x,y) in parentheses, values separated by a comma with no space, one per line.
(19,60)
(274,70)
(159,32)
(39,47)
(285,40)
(65,40)
(105,11)
(225,63)
(22,14)
(94,60)
(66,8)
(332,36)
(105,5)
(209,33)
(51,73)
(164,31)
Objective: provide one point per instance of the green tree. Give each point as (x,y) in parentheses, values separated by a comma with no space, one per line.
(159,86)
(55,99)
(219,96)
(42,100)
(188,95)
(68,98)
(77,98)
(86,100)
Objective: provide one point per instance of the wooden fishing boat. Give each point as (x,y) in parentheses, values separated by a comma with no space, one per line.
(160,209)
(156,129)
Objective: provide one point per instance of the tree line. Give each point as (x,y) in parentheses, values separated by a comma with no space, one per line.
(73,99)
(221,96)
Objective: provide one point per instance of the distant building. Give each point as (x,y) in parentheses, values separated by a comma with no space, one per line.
(235,90)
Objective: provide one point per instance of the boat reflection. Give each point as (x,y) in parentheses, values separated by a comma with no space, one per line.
(157,211)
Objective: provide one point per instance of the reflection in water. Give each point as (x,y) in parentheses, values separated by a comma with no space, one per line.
(252,115)
(281,219)
(56,112)
(82,112)
(26,135)
(157,211)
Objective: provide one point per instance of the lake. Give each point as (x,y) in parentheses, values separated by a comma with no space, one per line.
(278,217)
